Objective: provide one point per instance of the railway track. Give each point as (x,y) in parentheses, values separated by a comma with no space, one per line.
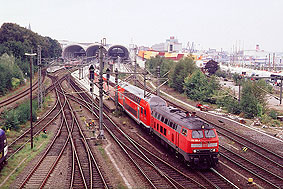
(268,177)
(17,144)
(260,154)
(156,171)
(69,138)
(83,160)
(21,94)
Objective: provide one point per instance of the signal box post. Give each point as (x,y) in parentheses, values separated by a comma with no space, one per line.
(91,78)
(116,86)
(101,131)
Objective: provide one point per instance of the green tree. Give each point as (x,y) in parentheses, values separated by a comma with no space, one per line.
(199,87)
(230,104)
(165,65)
(9,70)
(179,72)
(211,67)
(16,40)
(249,103)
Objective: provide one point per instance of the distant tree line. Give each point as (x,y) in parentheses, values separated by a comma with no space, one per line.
(186,78)
(15,41)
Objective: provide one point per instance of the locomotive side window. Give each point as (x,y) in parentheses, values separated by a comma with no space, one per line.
(157,128)
(141,110)
(197,134)
(184,132)
(161,129)
(166,121)
(165,131)
(209,134)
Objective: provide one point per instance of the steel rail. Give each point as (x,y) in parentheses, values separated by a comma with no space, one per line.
(73,147)
(42,157)
(249,170)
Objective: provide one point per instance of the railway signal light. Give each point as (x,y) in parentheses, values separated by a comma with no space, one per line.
(107,75)
(91,73)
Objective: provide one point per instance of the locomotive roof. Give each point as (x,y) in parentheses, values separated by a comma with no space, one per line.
(179,117)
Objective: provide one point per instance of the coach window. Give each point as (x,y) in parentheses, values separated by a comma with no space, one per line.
(157,128)
(162,119)
(161,129)
(158,116)
(165,131)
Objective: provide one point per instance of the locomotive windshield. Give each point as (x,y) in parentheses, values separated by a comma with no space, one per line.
(209,134)
(197,134)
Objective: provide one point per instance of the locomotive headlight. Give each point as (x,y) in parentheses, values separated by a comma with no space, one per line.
(212,150)
(195,151)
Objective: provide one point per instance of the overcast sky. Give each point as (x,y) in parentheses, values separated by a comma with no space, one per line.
(207,23)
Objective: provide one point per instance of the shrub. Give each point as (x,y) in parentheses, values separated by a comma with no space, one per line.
(273,114)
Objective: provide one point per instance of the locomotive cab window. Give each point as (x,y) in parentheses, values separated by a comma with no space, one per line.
(184,132)
(209,134)
(145,112)
(197,134)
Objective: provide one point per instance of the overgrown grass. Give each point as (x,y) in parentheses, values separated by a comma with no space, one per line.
(40,143)
(102,151)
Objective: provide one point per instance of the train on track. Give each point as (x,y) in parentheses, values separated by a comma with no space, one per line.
(192,139)
(3,147)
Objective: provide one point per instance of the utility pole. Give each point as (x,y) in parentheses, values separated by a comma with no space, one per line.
(30,69)
(158,83)
(116,90)
(101,131)
(239,99)
(281,90)
(135,69)
(269,62)
(274,62)
(39,93)
(144,83)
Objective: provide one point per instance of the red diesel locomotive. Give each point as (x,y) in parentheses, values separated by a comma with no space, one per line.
(194,140)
